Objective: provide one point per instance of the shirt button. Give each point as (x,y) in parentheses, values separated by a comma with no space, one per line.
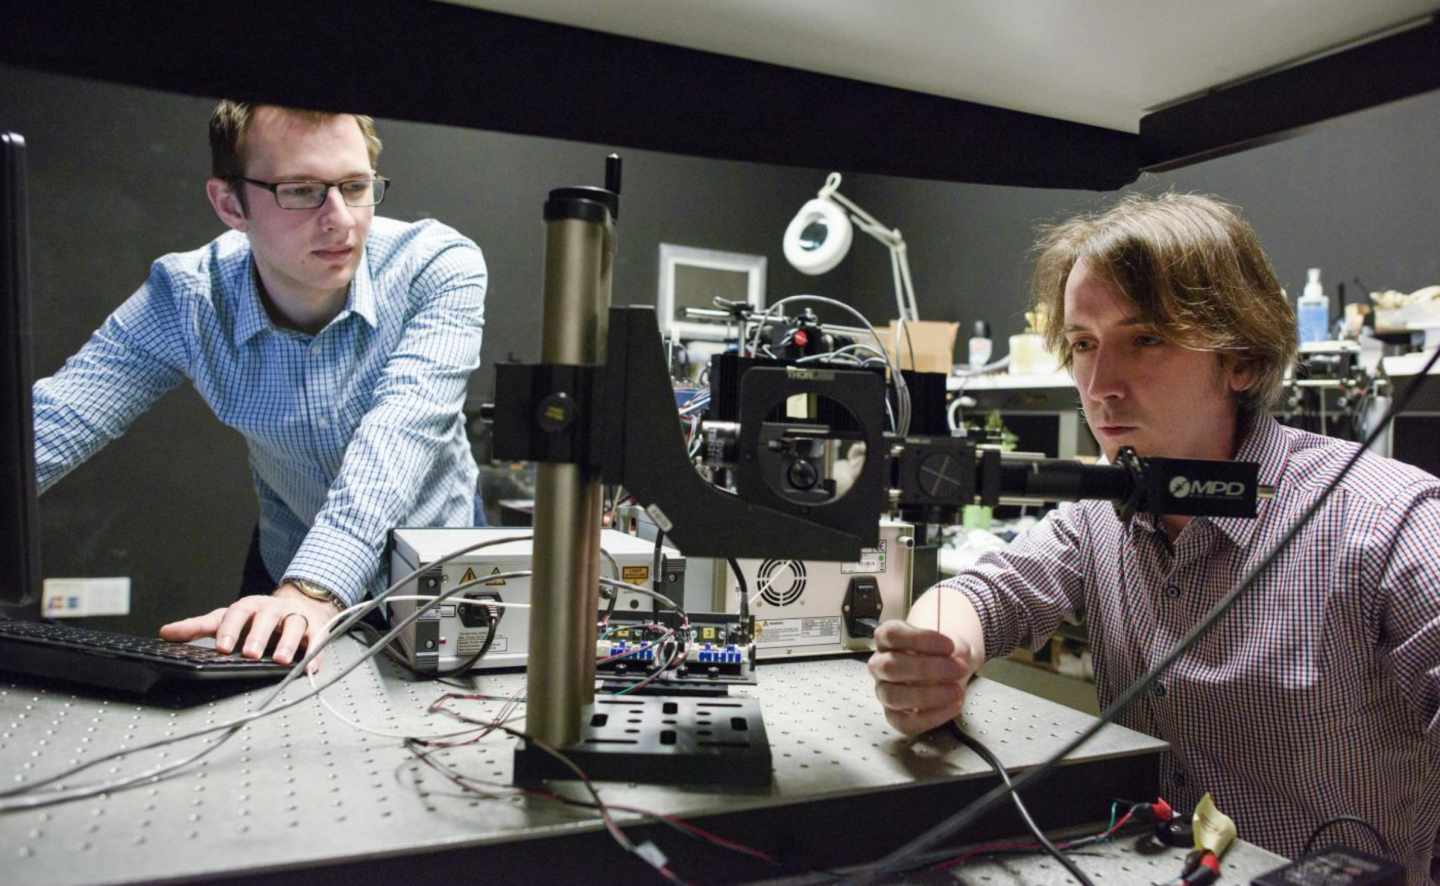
(1172,590)
(1158,689)
(1179,778)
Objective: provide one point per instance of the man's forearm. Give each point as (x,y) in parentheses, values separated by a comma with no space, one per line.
(952,614)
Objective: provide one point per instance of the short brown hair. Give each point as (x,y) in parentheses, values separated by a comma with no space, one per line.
(1192,267)
(231,120)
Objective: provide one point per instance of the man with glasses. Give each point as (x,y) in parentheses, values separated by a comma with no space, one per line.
(339,344)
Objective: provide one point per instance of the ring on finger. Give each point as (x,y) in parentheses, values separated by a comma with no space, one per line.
(299,615)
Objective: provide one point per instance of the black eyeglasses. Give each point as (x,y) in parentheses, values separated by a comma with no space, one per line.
(357,192)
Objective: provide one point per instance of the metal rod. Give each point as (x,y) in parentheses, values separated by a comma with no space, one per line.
(565,586)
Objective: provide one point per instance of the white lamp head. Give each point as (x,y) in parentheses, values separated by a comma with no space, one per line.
(818,237)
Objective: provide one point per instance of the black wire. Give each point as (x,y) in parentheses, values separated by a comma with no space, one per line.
(418,748)
(744,596)
(1346,819)
(491,624)
(682,631)
(655,561)
(372,634)
(421,749)
(610,607)
(988,756)
(967,816)
(654,578)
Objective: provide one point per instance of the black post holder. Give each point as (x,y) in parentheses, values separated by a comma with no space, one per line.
(658,739)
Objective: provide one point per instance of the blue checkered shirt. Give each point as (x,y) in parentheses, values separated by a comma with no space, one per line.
(1317,695)
(352,431)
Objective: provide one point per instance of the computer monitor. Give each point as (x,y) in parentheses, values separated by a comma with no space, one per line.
(19,517)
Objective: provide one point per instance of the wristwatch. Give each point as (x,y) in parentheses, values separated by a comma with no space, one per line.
(315,591)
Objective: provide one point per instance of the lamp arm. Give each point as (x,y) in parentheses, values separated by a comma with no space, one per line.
(864,220)
(904,261)
(891,237)
(900,307)
(899,265)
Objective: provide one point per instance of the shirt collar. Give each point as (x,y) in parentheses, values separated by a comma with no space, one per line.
(252,318)
(1264,444)
(362,293)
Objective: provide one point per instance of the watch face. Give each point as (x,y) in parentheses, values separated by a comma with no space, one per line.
(313,591)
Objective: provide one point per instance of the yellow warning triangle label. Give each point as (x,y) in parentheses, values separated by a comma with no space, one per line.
(468,576)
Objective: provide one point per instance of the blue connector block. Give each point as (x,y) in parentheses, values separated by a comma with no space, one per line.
(642,652)
(708,654)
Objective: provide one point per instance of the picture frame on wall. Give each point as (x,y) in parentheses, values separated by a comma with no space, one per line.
(692,277)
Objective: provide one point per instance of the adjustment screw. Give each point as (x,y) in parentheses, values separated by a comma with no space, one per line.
(555,413)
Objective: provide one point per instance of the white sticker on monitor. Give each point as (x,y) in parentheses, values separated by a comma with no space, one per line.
(77,597)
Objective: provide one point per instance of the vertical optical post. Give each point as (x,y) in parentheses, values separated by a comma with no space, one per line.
(579,258)
(706,737)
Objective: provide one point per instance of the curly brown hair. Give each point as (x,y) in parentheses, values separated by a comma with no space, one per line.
(231,120)
(1193,268)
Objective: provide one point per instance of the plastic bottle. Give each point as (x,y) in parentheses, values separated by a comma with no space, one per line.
(1313,310)
(981,345)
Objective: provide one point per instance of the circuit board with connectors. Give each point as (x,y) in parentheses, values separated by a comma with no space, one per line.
(708,649)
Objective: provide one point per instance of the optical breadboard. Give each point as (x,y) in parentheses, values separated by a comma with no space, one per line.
(450,633)
(248,811)
(816,607)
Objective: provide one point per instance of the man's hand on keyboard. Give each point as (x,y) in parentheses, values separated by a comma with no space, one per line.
(297,621)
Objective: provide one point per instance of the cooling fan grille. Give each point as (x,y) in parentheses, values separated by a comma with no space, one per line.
(781,582)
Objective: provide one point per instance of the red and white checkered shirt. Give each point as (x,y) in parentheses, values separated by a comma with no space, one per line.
(1317,695)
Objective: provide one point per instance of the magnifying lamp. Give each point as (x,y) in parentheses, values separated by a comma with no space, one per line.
(819,236)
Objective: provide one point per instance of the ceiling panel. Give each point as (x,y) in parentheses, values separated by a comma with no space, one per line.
(1103,62)
(1030,93)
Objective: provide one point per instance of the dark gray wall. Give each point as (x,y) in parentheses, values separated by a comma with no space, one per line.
(1354,197)
(117,179)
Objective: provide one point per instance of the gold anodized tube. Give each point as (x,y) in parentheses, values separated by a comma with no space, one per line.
(579,256)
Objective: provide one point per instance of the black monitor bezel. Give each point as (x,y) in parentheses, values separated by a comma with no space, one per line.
(19,511)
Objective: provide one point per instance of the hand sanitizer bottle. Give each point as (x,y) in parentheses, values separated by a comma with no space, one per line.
(980,345)
(1313,310)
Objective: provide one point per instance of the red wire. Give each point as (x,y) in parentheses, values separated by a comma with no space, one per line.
(674,659)
(1121,823)
(986,848)
(701,832)
(603,808)
(655,644)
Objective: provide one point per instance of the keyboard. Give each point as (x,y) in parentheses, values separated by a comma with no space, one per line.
(120,661)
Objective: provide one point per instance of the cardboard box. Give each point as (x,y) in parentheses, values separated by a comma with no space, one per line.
(932,341)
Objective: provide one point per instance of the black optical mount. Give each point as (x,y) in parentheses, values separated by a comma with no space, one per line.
(619,421)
